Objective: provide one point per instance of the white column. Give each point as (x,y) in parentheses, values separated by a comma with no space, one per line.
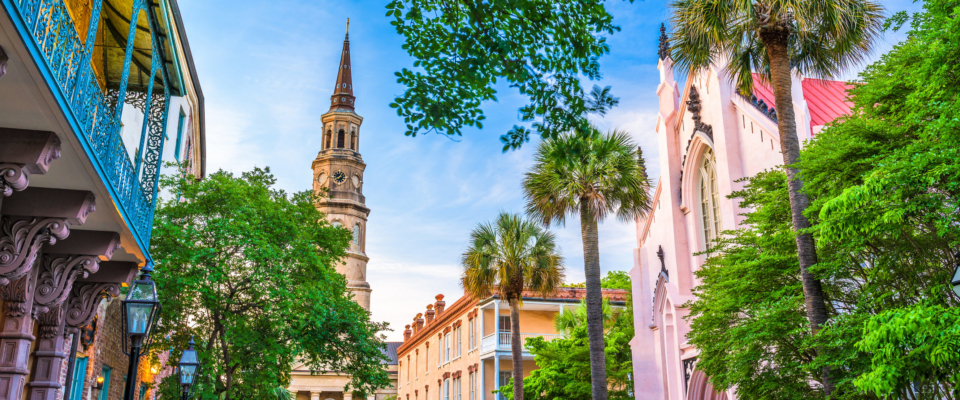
(496,369)
(496,328)
(347,395)
(480,330)
(483,393)
(314,395)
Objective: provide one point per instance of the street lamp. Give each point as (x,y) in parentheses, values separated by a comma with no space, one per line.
(140,309)
(189,366)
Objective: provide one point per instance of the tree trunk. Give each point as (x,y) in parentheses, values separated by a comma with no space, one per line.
(516,346)
(591,268)
(775,41)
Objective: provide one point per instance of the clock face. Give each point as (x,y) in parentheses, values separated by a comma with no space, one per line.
(339,177)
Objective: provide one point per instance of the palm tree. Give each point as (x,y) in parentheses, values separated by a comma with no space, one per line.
(510,256)
(591,174)
(817,38)
(566,322)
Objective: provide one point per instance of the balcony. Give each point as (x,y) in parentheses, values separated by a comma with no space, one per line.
(94,60)
(502,341)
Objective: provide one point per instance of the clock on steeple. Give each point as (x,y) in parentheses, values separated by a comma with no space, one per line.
(338,175)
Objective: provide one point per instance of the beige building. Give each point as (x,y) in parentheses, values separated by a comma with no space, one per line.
(338,171)
(463,352)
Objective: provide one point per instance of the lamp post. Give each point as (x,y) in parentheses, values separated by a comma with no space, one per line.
(140,309)
(188,368)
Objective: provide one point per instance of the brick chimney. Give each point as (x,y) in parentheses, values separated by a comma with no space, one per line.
(430,313)
(419,322)
(439,304)
(407,332)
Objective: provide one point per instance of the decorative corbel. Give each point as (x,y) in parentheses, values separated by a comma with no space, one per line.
(81,305)
(57,275)
(22,153)
(21,240)
(51,322)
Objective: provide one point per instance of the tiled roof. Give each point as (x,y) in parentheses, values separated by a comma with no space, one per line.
(391,352)
(826,99)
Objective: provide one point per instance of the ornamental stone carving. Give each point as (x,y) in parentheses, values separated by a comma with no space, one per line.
(50,322)
(694,106)
(664,50)
(14,295)
(22,153)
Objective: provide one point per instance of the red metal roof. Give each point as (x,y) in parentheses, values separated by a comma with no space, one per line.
(826,99)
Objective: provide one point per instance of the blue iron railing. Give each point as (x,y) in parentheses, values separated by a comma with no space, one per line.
(66,59)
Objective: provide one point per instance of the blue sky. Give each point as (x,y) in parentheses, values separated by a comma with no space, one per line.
(267,69)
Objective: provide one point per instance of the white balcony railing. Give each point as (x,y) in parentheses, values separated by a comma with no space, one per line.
(503,340)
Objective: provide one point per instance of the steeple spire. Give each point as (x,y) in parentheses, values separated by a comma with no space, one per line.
(343,98)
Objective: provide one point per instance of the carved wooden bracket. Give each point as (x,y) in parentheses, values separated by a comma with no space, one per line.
(57,275)
(81,305)
(21,240)
(22,153)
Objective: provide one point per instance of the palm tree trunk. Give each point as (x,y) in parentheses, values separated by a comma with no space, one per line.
(591,268)
(775,41)
(516,346)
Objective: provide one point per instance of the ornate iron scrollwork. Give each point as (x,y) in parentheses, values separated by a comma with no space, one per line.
(21,240)
(155,139)
(689,365)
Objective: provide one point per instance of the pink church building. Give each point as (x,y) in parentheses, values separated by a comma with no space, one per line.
(709,136)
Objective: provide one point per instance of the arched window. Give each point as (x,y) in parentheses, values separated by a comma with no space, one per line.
(327,141)
(356,234)
(353,140)
(709,198)
(336,224)
(340,139)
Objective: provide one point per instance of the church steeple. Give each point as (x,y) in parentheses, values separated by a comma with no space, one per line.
(343,98)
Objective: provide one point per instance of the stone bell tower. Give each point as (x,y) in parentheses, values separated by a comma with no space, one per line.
(339,168)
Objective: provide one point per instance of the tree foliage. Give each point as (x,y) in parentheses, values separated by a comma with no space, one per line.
(464,48)
(884,184)
(248,270)
(564,363)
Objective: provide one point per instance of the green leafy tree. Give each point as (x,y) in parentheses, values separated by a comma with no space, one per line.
(590,174)
(249,271)
(884,185)
(464,48)
(512,255)
(776,39)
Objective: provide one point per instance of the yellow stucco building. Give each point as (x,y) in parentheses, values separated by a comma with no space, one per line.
(462,352)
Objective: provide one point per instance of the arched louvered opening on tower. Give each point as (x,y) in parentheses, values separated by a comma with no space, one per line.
(341,137)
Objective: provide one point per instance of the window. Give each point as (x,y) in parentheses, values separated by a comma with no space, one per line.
(176,149)
(446,389)
(105,391)
(709,198)
(416,366)
(143,391)
(400,372)
(505,324)
(459,341)
(505,377)
(426,358)
(79,378)
(329,136)
(459,389)
(408,369)
(471,386)
(356,235)
(472,334)
(340,138)
(446,347)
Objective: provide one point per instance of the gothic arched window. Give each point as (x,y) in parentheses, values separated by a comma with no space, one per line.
(340,139)
(336,224)
(356,234)
(709,198)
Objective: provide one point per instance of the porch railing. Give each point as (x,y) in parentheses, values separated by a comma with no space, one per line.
(64,60)
(503,340)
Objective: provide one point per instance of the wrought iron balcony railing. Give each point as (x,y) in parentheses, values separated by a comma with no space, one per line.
(65,61)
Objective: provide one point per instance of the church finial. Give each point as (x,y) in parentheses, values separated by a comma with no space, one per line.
(664,50)
(343,98)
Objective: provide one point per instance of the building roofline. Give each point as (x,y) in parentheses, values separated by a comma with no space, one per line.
(196,83)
